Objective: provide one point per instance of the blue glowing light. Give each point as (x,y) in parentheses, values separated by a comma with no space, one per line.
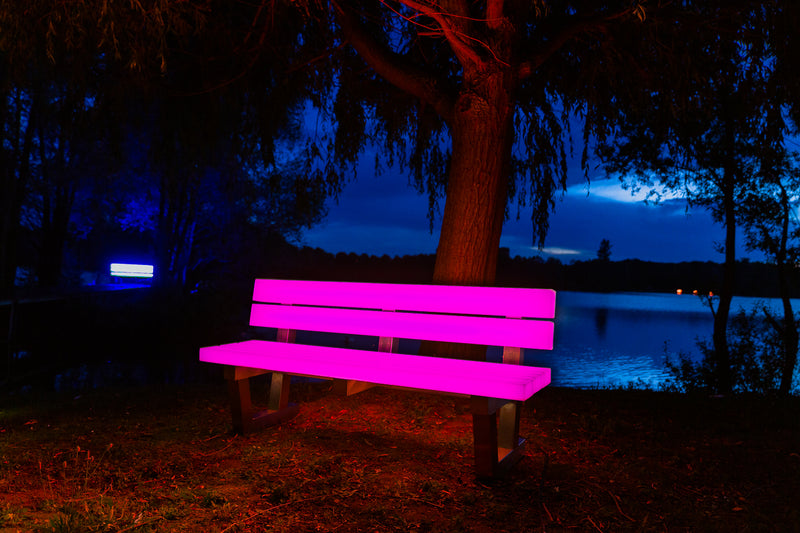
(127,270)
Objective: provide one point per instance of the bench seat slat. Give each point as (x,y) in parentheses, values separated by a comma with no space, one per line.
(493,380)
(536,334)
(493,301)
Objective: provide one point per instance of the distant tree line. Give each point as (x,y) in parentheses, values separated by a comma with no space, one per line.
(631,275)
(755,278)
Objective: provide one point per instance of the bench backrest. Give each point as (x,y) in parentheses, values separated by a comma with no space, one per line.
(495,316)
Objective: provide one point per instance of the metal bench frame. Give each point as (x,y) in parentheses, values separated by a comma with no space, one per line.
(472,315)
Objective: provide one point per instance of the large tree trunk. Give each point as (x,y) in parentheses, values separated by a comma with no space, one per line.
(480,119)
(477,186)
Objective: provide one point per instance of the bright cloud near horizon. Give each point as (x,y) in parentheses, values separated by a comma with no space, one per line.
(385,215)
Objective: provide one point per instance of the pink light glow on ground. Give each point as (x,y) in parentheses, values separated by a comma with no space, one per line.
(493,380)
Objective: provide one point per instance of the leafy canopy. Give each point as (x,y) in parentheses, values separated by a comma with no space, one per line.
(594,64)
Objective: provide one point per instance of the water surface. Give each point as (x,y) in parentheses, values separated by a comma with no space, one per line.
(609,340)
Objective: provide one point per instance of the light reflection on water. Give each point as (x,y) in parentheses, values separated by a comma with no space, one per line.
(611,340)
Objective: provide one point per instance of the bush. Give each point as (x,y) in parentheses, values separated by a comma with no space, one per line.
(756,358)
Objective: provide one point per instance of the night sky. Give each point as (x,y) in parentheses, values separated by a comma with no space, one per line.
(385,215)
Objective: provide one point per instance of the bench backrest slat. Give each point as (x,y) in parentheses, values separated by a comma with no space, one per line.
(536,334)
(490,301)
(472,315)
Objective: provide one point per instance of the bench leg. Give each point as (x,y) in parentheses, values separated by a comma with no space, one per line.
(508,427)
(496,437)
(247,417)
(484,432)
(241,407)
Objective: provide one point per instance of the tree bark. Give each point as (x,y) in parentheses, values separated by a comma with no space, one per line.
(482,135)
(477,186)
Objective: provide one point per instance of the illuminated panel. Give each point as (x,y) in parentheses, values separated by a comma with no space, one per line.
(493,380)
(494,301)
(536,334)
(126,270)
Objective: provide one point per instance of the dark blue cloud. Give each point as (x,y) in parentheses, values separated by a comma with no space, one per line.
(385,215)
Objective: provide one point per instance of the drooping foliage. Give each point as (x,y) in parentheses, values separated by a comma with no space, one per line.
(438,74)
(474,99)
(204,89)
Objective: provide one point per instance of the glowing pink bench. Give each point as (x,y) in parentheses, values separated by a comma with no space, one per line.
(508,317)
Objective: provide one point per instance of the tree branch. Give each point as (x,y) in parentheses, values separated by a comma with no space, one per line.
(391,66)
(527,68)
(455,37)
(494,14)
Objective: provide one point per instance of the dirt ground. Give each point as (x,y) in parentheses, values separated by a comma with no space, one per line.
(164,459)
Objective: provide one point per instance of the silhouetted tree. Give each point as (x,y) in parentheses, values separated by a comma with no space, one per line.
(604,251)
(710,150)
(772,227)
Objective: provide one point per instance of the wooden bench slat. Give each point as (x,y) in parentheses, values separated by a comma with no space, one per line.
(447,328)
(494,380)
(492,301)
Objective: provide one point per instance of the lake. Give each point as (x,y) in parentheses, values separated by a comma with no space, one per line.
(611,340)
(601,340)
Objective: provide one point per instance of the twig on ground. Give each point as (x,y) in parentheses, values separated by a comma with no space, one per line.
(230,442)
(616,502)
(548,512)
(433,504)
(140,524)
(598,528)
(258,513)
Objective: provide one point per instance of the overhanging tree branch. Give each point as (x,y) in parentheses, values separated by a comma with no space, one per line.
(528,67)
(456,37)
(392,66)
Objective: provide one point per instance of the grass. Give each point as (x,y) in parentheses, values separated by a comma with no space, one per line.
(163,459)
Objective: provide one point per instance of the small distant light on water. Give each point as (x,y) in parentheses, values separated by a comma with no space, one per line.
(679,292)
(127,270)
